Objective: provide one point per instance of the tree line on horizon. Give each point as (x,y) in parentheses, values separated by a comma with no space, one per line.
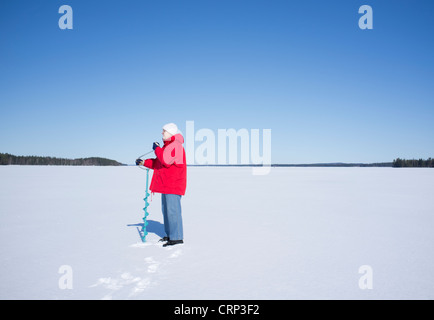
(9,159)
(413,163)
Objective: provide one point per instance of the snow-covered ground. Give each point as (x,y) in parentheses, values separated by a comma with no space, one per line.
(296,233)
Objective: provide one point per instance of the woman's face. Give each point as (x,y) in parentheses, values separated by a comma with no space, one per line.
(166,135)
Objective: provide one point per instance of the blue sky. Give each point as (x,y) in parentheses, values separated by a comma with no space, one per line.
(328,90)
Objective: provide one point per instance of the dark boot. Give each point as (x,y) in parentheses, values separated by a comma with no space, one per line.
(172,242)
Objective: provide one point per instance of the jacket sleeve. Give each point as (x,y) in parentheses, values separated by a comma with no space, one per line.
(149,163)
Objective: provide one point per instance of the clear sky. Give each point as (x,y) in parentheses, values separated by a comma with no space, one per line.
(328,90)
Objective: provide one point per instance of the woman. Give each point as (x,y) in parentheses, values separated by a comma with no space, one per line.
(169,179)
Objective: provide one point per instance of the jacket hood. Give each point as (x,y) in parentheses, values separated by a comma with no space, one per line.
(177,137)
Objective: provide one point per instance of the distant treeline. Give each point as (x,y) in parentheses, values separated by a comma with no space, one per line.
(7,159)
(403,163)
(337,164)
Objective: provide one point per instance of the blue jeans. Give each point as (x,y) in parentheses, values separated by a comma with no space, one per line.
(171,207)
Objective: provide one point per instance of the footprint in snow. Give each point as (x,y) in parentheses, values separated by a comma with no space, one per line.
(126,280)
(153,265)
(137,284)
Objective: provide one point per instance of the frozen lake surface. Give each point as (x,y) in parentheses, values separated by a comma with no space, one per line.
(296,233)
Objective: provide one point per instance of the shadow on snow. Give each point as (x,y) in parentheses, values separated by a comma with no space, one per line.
(153,226)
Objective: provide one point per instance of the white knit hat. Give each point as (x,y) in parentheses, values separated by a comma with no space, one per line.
(171,128)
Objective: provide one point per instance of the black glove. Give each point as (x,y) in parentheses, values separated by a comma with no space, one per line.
(155,145)
(139,162)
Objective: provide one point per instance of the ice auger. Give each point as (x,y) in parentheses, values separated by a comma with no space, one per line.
(143,232)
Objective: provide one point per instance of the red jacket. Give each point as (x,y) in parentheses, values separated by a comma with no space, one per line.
(170,167)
